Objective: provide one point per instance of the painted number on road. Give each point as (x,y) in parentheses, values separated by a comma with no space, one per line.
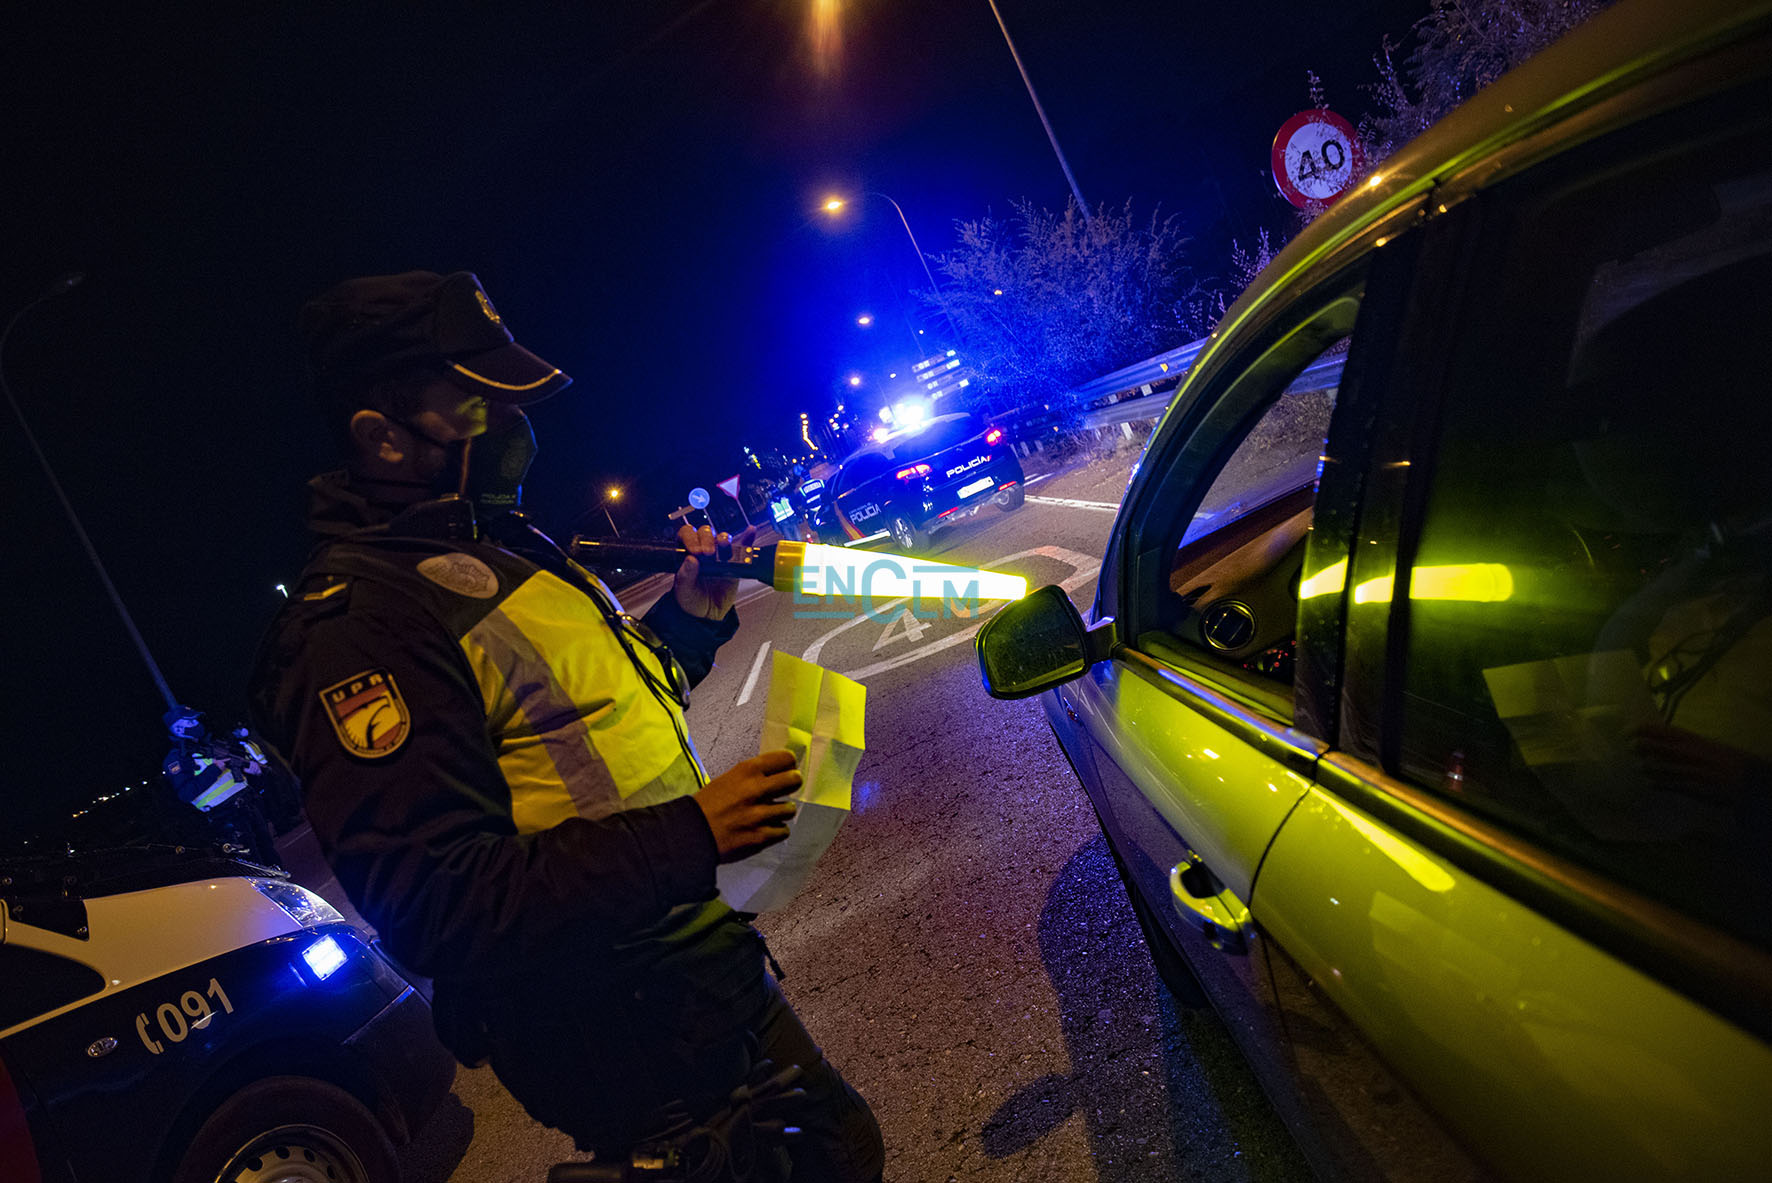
(191,1013)
(904,627)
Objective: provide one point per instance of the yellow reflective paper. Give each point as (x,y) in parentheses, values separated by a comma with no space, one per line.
(818,716)
(821,718)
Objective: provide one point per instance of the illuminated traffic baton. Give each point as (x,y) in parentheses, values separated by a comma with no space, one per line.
(812,569)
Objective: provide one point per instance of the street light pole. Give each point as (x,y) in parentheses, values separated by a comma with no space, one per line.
(612,494)
(836,203)
(64,284)
(1051,136)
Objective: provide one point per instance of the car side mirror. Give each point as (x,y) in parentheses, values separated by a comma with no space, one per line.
(1037,643)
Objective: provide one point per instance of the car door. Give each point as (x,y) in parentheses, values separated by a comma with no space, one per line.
(859,502)
(1201,744)
(1531,875)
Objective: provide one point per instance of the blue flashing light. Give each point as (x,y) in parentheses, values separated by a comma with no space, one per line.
(324,957)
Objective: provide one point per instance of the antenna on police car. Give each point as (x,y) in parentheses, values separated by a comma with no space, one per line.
(63,284)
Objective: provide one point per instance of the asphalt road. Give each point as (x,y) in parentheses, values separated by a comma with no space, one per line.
(964,951)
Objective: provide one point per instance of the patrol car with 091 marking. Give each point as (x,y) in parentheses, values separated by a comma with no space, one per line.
(169,1016)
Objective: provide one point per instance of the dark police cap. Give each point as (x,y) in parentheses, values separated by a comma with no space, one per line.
(378,325)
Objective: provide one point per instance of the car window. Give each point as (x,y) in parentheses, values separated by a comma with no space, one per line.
(940,434)
(1233,585)
(37,982)
(1589,610)
(863,468)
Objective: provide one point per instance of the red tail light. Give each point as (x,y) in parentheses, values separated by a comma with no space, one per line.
(914,471)
(994,436)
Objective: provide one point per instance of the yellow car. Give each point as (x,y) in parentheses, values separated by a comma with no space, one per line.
(1426,700)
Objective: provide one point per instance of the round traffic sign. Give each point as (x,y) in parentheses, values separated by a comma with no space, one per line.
(698,497)
(1316,157)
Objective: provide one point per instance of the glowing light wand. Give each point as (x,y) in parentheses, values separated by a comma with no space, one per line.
(813,569)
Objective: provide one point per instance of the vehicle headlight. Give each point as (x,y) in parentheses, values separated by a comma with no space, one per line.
(301,905)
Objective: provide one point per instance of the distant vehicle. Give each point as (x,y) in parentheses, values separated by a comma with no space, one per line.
(1425,700)
(922,478)
(167,1016)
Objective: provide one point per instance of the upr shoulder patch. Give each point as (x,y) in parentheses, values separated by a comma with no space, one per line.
(462,574)
(368,714)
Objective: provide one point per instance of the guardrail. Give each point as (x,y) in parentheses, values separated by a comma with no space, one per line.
(1126,412)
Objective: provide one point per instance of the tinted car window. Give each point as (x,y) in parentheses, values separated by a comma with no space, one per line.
(939,435)
(1589,652)
(862,468)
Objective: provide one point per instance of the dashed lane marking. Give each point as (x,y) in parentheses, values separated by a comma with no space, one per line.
(750,683)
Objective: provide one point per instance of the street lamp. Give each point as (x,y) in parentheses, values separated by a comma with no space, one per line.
(833,204)
(613,493)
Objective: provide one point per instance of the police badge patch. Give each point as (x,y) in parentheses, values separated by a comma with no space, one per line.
(367,714)
(462,574)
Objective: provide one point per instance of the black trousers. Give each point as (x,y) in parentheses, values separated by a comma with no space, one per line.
(608,1073)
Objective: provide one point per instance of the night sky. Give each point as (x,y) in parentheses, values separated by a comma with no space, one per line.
(636,184)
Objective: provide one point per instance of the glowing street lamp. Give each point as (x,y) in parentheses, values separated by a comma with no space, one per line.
(834,204)
(864,320)
(612,493)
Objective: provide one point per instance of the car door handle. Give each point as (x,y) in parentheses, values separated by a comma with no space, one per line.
(1202,900)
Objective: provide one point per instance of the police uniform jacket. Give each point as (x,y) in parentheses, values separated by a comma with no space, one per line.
(487,771)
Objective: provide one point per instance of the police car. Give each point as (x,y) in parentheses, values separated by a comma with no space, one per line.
(928,476)
(170,1016)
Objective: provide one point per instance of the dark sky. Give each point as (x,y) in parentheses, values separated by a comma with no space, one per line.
(637,185)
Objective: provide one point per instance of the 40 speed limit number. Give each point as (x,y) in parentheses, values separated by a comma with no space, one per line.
(1316,157)
(176,1020)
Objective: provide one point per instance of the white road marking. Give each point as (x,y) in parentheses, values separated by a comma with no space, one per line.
(1083,569)
(1106,506)
(1034,480)
(750,683)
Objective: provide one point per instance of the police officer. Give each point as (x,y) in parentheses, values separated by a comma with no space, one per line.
(494,756)
(219,782)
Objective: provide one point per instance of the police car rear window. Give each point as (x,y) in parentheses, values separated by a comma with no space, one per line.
(936,437)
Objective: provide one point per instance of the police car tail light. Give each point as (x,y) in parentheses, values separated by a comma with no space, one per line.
(913,472)
(994,436)
(302,905)
(324,956)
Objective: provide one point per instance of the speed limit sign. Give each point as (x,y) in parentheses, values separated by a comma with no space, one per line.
(1316,157)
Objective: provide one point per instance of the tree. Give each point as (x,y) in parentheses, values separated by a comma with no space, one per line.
(1043,301)
(1461,46)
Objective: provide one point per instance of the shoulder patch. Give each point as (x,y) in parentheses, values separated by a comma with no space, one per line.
(462,574)
(368,714)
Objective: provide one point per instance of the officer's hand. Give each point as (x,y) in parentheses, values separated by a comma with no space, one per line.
(744,805)
(708,598)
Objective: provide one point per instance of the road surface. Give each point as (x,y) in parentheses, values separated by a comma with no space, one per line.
(965,952)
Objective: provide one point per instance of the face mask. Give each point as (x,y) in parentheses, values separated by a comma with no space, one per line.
(499,460)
